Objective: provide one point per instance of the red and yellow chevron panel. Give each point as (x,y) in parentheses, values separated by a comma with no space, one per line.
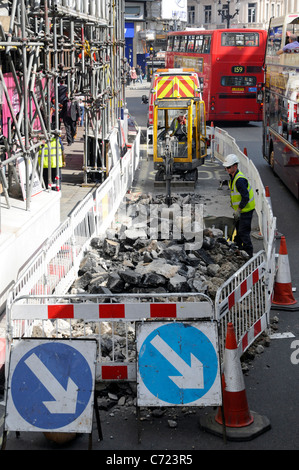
(175,87)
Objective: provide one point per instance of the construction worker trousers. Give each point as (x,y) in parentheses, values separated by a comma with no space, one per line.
(243,228)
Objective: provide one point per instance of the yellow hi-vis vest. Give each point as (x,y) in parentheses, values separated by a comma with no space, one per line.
(176,124)
(53,154)
(235,196)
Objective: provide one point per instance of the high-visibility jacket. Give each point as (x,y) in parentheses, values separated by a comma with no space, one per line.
(235,196)
(53,154)
(175,125)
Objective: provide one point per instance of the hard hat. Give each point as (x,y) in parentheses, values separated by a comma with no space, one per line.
(230,160)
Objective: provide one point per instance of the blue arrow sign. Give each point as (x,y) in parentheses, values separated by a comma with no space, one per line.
(51,385)
(178,363)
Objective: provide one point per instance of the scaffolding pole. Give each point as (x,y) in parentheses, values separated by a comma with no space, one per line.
(42,42)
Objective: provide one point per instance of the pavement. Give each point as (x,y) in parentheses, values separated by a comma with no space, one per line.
(73,186)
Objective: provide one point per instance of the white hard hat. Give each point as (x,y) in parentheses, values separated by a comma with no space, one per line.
(230,160)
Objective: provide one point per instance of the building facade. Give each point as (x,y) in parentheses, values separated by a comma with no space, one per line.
(211,14)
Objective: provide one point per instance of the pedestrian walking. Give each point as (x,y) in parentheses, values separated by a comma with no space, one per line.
(62,91)
(242,202)
(71,116)
(133,75)
(139,74)
(81,105)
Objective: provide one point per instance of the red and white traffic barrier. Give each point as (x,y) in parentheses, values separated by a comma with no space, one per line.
(252,333)
(244,287)
(125,311)
(116,371)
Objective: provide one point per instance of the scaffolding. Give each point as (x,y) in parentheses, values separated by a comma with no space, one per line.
(44,43)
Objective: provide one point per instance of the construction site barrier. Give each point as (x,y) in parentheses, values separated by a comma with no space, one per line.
(242,301)
(55,266)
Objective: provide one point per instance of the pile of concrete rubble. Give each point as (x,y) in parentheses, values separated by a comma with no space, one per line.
(129,260)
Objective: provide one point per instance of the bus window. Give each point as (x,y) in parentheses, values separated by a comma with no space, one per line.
(176,43)
(238,81)
(183,43)
(293,28)
(206,44)
(198,43)
(202,44)
(170,43)
(190,44)
(274,40)
(240,39)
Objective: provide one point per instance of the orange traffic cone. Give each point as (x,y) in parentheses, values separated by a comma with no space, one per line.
(283,294)
(267,195)
(212,130)
(235,407)
(239,423)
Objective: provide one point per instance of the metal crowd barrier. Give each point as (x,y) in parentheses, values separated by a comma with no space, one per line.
(242,300)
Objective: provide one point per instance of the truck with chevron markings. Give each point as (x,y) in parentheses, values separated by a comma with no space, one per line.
(169,83)
(176,132)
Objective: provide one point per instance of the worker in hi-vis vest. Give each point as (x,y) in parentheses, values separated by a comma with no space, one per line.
(242,201)
(55,176)
(178,127)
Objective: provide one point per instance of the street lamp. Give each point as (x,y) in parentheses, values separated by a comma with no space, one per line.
(225,14)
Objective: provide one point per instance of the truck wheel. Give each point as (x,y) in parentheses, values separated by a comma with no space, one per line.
(191,175)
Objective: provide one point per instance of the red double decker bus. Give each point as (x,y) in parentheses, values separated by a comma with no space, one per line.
(229,63)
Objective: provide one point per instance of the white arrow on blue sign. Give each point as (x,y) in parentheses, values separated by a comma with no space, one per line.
(51,386)
(178,364)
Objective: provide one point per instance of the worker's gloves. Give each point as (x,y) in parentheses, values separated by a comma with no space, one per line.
(237,215)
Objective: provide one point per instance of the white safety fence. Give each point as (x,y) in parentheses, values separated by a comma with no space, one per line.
(245,299)
(111,321)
